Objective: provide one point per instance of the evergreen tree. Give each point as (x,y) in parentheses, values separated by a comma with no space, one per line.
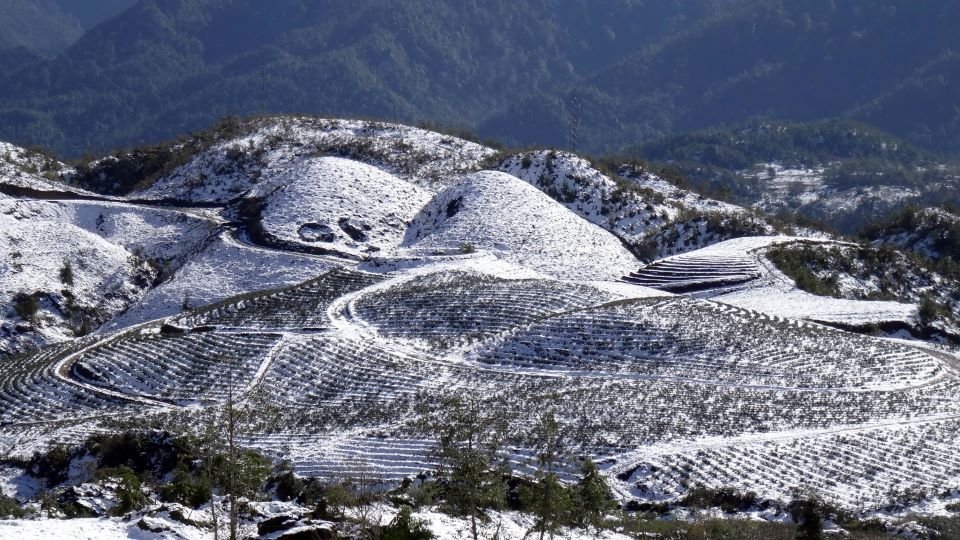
(593,498)
(130,494)
(547,498)
(26,306)
(66,273)
(472,472)
(404,527)
(807,513)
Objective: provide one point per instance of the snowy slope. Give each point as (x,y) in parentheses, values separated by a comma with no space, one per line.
(341,205)
(589,193)
(646,385)
(649,214)
(22,168)
(777,295)
(497,212)
(106,278)
(223,268)
(508,286)
(809,192)
(736,272)
(234,166)
(927,233)
(165,235)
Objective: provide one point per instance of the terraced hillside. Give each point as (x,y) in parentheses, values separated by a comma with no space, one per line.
(666,392)
(343,279)
(737,272)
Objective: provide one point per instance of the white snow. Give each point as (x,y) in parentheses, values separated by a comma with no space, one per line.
(235,166)
(735,272)
(225,267)
(68,529)
(589,193)
(497,212)
(473,283)
(342,205)
(106,277)
(157,233)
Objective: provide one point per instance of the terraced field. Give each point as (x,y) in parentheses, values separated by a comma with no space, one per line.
(178,369)
(691,272)
(683,339)
(430,308)
(293,308)
(737,272)
(666,392)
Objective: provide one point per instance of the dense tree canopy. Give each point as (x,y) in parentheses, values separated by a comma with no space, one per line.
(594,75)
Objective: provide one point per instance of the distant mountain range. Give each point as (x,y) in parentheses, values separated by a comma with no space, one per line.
(590,76)
(48,27)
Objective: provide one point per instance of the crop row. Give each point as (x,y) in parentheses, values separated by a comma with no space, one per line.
(686,339)
(301,306)
(457,306)
(178,368)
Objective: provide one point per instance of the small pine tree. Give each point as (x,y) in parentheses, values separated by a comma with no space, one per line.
(807,513)
(130,494)
(593,498)
(550,503)
(929,310)
(66,273)
(471,470)
(547,498)
(9,508)
(404,527)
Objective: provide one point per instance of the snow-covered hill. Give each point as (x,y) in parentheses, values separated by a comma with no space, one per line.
(497,212)
(340,205)
(349,275)
(262,150)
(646,383)
(933,233)
(60,281)
(650,215)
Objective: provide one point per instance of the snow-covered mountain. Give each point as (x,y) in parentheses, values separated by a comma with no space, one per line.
(351,273)
(296,195)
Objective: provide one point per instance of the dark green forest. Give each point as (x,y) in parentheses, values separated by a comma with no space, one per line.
(886,62)
(165,67)
(589,75)
(854,155)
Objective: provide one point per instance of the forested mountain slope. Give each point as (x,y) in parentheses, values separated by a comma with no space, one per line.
(594,76)
(168,66)
(889,62)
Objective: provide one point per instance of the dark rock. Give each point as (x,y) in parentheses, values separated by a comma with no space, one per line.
(453,207)
(276,523)
(323,532)
(315,232)
(143,525)
(354,230)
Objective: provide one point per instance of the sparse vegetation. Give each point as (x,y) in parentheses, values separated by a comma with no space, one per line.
(130,494)
(130,170)
(10,509)
(66,273)
(26,306)
(796,263)
(871,273)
